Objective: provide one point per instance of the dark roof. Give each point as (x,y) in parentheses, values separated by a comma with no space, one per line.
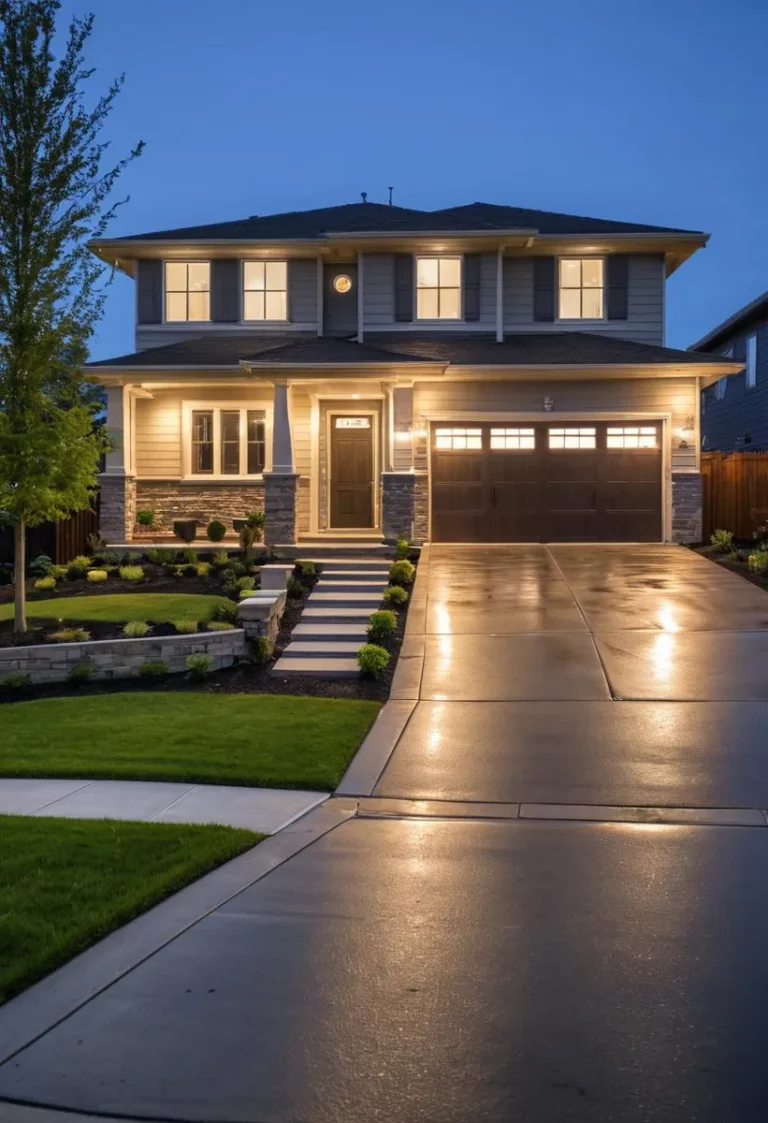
(518,349)
(354,218)
(747,316)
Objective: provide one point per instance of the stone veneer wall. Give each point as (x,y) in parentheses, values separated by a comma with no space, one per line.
(421,508)
(686,507)
(117,507)
(281,493)
(121,658)
(171,500)
(397,510)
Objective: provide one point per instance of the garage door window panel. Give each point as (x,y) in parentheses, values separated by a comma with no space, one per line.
(458,440)
(583,438)
(508,440)
(632,436)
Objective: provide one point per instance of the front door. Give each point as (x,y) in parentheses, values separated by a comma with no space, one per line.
(351,471)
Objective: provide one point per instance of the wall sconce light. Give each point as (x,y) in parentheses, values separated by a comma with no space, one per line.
(549,404)
(686,431)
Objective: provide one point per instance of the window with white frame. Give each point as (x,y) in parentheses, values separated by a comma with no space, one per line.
(265,290)
(227,441)
(438,288)
(631,436)
(572,438)
(458,439)
(581,288)
(513,439)
(187,291)
(751,365)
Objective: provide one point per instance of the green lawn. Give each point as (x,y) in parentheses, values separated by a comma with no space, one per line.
(265,740)
(119,608)
(65,883)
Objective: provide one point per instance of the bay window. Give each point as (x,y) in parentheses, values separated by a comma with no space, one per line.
(227,441)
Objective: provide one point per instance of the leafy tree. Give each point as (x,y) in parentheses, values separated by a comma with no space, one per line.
(54,192)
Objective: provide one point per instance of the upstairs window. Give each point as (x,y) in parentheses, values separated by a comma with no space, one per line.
(265,290)
(227,442)
(187,291)
(751,366)
(581,288)
(438,288)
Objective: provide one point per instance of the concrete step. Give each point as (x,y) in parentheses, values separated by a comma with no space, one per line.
(350,633)
(315,648)
(320,667)
(328,615)
(345,600)
(353,572)
(318,551)
(341,584)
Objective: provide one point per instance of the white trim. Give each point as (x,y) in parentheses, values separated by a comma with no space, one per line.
(314,464)
(376,468)
(216,405)
(360,301)
(320,295)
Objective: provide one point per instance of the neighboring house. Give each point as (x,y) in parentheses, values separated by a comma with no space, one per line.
(734,411)
(481,373)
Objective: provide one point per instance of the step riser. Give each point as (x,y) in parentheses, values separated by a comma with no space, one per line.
(298,668)
(337,616)
(321,649)
(351,586)
(323,633)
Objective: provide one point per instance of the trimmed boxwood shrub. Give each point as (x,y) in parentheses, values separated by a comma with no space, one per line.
(225,613)
(306,568)
(131,573)
(402,572)
(135,629)
(145,518)
(153,668)
(382,624)
(96,576)
(187,627)
(372,659)
(45,584)
(394,594)
(402,549)
(216,530)
(76,570)
(294,588)
(219,626)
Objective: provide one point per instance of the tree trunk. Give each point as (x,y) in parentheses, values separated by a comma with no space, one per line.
(19,572)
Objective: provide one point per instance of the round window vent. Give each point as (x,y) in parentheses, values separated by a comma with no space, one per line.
(342,283)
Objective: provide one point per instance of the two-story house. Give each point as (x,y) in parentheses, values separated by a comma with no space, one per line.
(734,410)
(477,374)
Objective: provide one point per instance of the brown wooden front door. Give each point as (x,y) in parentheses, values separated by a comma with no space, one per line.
(351,471)
(547,482)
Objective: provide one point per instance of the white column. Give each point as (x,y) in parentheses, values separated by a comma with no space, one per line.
(282,444)
(118,428)
(360,305)
(320,295)
(389,437)
(500,295)
(402,411)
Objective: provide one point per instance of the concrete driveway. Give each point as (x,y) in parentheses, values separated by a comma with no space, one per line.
(439,956)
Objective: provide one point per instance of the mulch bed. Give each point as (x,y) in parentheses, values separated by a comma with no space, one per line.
(734,564)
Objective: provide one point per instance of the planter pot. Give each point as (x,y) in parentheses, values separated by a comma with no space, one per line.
(186,529)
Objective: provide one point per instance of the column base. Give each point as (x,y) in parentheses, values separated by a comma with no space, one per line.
(404,506)
(117,507)
(281,505)
(687,503)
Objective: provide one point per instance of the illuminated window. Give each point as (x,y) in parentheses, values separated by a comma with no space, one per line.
(581,288)
(438,288)
(642,436)
(227,442)
(572,438)
(512,438)
(458,438)
(187,291)
(265,290)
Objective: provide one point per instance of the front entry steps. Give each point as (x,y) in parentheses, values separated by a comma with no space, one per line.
(325,548)
(334,622)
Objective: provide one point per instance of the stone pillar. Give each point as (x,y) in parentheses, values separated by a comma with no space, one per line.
(282,443)
(397,505)
(117,507)
(420,507)
(281,495)
(686,507)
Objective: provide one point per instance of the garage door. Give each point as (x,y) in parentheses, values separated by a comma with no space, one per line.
(586,481)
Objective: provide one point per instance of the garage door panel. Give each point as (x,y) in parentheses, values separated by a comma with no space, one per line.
(565,466)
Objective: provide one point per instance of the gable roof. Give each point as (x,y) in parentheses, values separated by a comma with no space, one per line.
(751,313)
(521,349)
(356,218)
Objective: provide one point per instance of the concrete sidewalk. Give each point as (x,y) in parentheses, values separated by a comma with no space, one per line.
(267,810)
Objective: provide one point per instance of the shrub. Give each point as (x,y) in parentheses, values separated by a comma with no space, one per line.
(199,664)
(224,613)
(381,625)
(44,584)
(189,556)
(131,573)
(306,568)
(186,627)
(394,594)
(372,659)
(59,571)
(160,557)
(402,549)
(105,558)
(145,518)
(294,588)
(41,566)
(722,540)
(15,680)
(82,560)
(216,530)
(761,537)
(245,584)
(96,576)
(96,542)
(262,648)
(758,562)
(188,570)
(253,531)
(402,573)
(70,635)
(135,629)
(153,668)
(203,569)
(75,570)
(220,559)
(219,626)
(81,672)
(229,581)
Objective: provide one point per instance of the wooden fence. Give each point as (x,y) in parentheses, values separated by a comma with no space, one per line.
(735,488)
(61,541)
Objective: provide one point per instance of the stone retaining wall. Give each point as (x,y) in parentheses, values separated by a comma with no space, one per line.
(121,658)
(171,500)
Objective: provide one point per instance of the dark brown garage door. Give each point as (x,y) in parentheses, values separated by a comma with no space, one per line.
(586,481)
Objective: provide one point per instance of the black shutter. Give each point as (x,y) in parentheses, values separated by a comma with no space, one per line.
(225,291)
(471,286)
(544,288)
(617,267)
(403,287)
(149,282)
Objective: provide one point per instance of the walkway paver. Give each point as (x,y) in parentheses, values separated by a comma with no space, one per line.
(259,809)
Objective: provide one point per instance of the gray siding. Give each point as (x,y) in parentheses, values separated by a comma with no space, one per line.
(645,321)
(740,419)
(302,291)
(379,289)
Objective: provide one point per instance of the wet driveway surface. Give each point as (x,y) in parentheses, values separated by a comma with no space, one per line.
(456,963)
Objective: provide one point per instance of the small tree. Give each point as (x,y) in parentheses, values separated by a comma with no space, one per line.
(53,199)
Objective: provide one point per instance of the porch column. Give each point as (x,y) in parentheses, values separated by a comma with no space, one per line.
(398,483)
(500,295)
(117,499)
(281,485)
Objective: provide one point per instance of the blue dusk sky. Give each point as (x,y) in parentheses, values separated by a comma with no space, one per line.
(647,111)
